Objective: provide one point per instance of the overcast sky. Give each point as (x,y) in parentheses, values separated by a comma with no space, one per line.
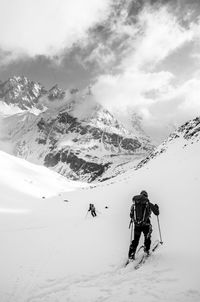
(140,54)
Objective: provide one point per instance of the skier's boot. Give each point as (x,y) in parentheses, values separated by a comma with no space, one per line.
(131,254)
(146,252)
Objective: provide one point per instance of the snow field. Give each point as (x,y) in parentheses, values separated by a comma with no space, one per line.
(54,251)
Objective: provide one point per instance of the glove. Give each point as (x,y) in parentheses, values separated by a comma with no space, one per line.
(131,221)
(156,208)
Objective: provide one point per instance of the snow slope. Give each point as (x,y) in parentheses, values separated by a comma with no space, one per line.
(52,250)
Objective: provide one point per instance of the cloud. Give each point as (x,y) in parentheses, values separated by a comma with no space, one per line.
(101,55)
(131,47)
(188,95)
(153,37)
(159,34)
(142,93)
(8,56)
(141,42)
(172,109)
(46,27)
(140,81)
(130,88)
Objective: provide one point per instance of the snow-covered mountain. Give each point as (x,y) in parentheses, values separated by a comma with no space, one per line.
(77,145)
(19,94)
(52,250)
(188,133)
(75,135)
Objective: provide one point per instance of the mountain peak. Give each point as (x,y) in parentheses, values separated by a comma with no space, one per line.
(25,94)
(21,92)
(56,93)
(18,79)
(185,135)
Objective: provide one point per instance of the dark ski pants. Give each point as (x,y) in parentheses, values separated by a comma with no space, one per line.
(138,229)
(93,213)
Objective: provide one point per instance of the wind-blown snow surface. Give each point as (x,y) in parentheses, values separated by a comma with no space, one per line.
(53,250)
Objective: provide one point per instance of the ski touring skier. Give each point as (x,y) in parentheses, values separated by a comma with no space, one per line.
(92,209)
(140,214)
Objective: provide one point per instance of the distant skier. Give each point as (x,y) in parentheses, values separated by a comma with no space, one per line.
(140,214)
(92,209)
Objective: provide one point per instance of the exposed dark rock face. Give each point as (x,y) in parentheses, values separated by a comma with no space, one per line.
(56,93)
(79,166)
(191,128)
(89,166)
(51,159)
(66,124)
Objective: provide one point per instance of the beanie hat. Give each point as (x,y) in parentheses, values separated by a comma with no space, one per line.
(144,193)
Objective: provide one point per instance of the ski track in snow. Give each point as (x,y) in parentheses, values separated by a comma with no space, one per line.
(123,284)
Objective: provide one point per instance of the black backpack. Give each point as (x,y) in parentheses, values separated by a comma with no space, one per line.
(140,210)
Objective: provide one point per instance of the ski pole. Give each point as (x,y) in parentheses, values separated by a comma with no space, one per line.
(131,224)
(159,230)
(86,214)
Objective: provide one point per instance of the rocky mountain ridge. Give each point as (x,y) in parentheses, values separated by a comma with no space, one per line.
(188,133)
(74,148)
(26,94)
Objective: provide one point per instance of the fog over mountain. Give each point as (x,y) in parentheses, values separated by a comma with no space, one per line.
(135,53)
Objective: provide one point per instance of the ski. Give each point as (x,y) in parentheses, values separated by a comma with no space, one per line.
(128,261)
(145,256)
(141,258)
(155,245)
(137,254)
(141,261)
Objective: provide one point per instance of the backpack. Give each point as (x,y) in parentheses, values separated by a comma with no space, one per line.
(140,210)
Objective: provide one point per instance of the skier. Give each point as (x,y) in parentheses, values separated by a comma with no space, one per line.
(92,209)
(140,214)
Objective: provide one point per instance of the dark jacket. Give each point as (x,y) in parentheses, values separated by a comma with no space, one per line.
(91,207)
(141,209)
